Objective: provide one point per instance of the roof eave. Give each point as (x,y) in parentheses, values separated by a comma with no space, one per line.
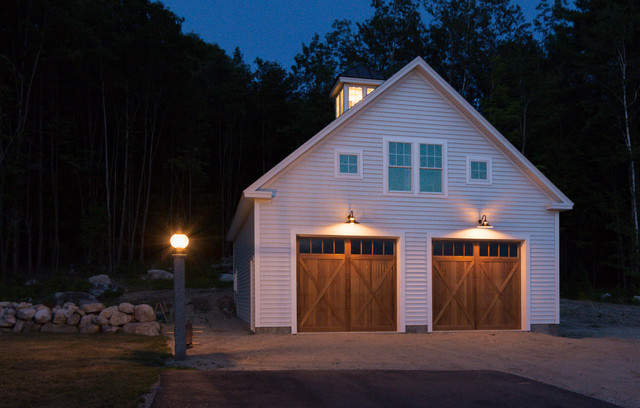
(245,205)
(559,207)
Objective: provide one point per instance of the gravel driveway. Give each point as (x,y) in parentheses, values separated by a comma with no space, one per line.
(599,357)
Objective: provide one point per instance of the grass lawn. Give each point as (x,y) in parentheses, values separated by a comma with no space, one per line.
(74,370)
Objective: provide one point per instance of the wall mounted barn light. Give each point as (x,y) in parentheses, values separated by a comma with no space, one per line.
(483,223)
(351,219)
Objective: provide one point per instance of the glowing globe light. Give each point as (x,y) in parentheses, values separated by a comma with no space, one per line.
(179,241)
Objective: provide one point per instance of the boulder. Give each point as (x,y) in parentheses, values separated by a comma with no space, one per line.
(86,326)
(79,298)
(73,320)
(81,312)
(127,308)
(5,304)
(100,321)
(145,313)
(226,277)
(42,315)
(100,284)
(19,326)
(31,326)
(158,274)
(119,319)
(69,310)
(7,321)
(92,307)
(108,311)
(8,311)
(111,329)
(636,299)
(59,317)
(23,305)
(58,328)
(145,329)
(26,314)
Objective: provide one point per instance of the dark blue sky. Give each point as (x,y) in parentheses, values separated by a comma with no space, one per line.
(273,29)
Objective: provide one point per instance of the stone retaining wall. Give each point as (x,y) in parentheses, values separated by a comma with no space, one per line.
(89,318)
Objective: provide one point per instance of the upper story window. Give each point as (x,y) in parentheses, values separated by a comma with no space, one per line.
(348,163)
(479,170)
(415,166)
(399,166)
(431,168)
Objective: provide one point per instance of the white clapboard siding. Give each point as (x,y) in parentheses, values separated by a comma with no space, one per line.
(309,196)
(243,253)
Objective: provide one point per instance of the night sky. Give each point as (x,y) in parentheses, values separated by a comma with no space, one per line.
(273,29)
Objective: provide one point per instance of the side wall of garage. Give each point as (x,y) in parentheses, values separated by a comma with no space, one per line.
(243,254)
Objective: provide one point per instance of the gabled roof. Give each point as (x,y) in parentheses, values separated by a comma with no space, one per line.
(559,202)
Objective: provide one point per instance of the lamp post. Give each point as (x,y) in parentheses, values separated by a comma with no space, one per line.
(179,242)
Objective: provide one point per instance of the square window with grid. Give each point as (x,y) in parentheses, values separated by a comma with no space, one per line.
(478,170)
(348,164)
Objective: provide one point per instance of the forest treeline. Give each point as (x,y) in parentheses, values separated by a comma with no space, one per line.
(116,128)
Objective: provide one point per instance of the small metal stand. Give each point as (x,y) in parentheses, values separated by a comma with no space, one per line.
(162,311)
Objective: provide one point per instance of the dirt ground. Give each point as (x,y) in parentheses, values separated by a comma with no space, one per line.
(597,353)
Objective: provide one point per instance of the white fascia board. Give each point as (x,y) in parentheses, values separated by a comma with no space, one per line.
(495,136)
(264,194)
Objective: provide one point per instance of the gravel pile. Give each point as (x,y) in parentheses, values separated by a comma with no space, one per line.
(600,313)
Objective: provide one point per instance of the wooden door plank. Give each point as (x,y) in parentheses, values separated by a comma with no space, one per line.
(438,266)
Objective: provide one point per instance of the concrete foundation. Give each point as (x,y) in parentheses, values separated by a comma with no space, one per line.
(551,329)
(422,328)
(272,330)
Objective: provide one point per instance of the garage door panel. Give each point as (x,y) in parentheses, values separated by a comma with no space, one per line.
(347,291)
(321,306)
(480,290)
(373,288)
(452,297)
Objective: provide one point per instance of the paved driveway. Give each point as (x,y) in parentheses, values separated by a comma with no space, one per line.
(361,388)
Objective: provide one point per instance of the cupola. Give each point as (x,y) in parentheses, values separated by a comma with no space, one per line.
(354,84)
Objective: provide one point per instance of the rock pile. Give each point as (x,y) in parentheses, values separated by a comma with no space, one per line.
(89,318)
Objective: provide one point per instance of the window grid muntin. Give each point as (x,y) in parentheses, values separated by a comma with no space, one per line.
(496,249)
(479,170)
(369,246)
(348,163)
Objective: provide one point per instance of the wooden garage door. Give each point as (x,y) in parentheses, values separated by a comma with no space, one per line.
(346,284)
(476,285)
